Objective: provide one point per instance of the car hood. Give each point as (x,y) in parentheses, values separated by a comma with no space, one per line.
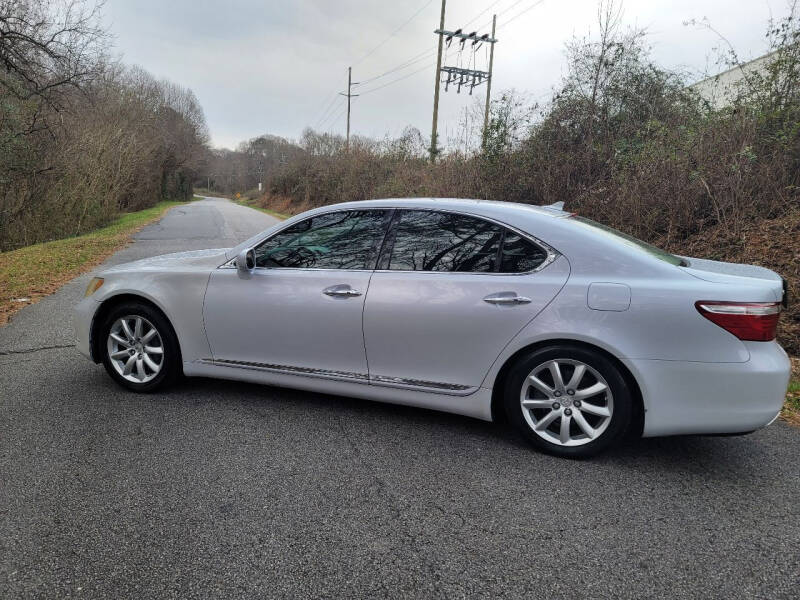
(193,259)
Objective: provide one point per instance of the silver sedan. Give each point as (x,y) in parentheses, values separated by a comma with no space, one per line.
(575,333)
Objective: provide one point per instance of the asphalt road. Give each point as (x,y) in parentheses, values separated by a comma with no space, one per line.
(217,489)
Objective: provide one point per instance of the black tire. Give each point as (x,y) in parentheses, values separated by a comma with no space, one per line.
(170,359)
(620,401)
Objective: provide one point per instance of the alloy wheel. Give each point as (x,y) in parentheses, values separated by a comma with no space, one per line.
(566,402)
(135,349)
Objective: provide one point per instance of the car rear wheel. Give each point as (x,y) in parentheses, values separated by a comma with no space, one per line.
(568,400)
(140,351)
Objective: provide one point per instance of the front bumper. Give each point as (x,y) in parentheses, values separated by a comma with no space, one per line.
(83,317)
(702,398)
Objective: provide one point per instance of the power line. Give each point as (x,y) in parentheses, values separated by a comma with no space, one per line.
(519,14)
(334,117)
(515,17)
(329,127)
(325,112)
(375,89)
(485,10)
(329,119)
(403,65)
(501,13)
(335,120)
(391,35)
(509,7)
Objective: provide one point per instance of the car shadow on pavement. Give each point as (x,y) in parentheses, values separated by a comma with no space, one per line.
(707,455)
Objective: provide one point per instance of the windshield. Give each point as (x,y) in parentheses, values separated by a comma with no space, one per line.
(631,241)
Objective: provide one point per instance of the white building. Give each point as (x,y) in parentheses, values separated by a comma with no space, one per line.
(720,90)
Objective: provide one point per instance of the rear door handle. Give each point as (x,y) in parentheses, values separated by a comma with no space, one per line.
(341,291)
(506,298)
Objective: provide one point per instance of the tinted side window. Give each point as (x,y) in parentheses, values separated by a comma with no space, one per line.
(520,255)
(340,240)
(434,241)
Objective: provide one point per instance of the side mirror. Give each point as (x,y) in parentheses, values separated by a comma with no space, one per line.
(246,261)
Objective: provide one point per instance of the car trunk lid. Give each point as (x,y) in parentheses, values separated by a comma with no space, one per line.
(738,274)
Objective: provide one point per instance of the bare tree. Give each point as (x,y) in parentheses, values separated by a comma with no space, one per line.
(47,45)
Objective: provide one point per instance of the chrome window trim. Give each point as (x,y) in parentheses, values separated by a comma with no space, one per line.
(418,384)
(313,269)
(552,253)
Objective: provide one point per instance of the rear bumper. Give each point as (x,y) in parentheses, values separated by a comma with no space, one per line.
(696,398)
(83,316)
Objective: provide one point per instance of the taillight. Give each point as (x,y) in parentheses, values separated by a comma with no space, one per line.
(749,321)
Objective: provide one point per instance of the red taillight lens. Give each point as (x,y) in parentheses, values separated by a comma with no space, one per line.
(750,321)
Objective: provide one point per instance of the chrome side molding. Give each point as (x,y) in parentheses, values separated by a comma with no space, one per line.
(288,369)
(341,375)
(453,387)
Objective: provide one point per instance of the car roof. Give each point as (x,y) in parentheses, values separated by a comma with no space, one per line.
(458,204)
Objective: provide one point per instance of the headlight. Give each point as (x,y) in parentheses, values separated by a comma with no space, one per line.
(93,286)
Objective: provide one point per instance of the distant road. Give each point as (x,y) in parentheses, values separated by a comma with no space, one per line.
(228,490)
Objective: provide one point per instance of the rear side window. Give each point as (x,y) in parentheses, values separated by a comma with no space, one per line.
(520,255)
(433,241)
(338,240)
(441,241)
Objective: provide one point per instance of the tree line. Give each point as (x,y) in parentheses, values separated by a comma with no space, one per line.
(84,137)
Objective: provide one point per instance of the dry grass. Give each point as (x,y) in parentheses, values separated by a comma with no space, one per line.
(28,274)
(272,206)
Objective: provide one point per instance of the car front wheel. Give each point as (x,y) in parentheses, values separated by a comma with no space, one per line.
(140,351)
(568,400)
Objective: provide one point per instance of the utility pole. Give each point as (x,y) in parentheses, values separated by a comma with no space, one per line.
(436,88)
(458,76)
(349,95)
(489,84)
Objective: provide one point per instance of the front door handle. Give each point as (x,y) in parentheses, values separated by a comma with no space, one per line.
(506,298)
(341,291)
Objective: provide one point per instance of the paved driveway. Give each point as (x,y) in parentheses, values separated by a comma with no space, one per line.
(219,489)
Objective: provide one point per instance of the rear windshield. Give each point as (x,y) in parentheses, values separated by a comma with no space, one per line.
(631,241)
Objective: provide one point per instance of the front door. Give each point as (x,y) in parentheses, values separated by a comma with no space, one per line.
(300,311)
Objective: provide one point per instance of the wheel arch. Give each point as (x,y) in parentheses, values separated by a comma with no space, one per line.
(107,305)
(498,387)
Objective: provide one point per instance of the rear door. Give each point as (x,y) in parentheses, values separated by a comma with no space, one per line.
(450,292)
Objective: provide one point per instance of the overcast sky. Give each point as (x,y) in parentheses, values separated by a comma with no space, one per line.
(268,66)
